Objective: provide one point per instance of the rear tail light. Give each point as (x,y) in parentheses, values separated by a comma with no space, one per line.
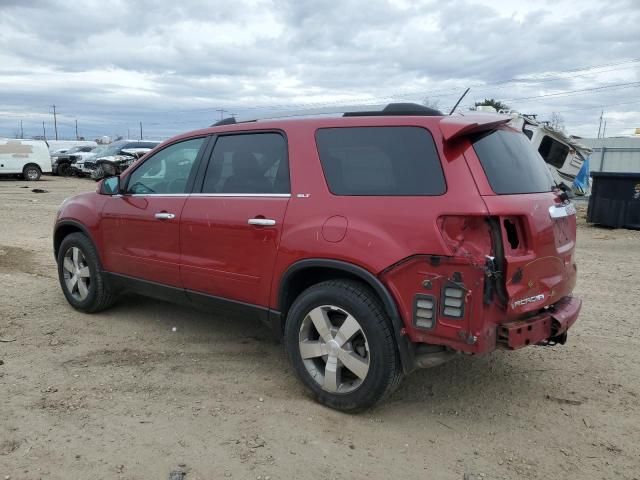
(424,311)
(453,302)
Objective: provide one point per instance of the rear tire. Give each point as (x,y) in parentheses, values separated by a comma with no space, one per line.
(31,173)
(80,275)
(340,343)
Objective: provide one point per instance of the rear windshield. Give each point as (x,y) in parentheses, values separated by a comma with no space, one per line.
(511,163)
(385,161)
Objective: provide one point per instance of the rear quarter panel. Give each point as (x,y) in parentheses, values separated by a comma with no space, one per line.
(377,232)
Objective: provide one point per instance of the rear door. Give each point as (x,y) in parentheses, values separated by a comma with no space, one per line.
(537,228)
(141,233)
(230,230)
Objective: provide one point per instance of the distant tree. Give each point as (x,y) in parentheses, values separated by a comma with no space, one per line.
(557,121)
(492,102)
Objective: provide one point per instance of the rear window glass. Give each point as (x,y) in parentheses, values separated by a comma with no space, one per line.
(386,161)
(511,163)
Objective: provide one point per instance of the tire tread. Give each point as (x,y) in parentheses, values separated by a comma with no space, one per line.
(104,297)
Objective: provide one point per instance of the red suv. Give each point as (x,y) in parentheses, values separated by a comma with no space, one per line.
(373,243)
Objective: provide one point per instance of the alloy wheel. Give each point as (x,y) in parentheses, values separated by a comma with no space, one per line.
(77,277)
(334,349)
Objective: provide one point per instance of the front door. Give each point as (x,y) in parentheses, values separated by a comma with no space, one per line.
(230,230)
(141,227)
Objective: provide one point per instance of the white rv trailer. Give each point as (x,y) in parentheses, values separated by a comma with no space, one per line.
(564,155)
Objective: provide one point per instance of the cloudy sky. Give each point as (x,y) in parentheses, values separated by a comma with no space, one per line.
(173,64)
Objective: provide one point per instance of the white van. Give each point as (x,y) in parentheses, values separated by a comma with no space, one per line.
(28,158)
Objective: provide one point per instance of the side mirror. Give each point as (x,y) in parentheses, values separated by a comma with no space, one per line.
(110,186)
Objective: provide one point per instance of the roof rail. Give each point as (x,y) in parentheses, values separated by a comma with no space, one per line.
(398,109)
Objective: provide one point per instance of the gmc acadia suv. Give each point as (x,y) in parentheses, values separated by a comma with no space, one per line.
(372,243)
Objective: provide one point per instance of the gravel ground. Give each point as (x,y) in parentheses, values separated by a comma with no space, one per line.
(121,395)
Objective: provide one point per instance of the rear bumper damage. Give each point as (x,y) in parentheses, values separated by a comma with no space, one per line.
(548,327)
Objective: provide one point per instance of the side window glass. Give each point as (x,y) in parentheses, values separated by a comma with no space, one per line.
(167,171)
(248,163)
(386,161)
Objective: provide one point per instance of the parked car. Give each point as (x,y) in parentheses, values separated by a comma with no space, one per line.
(62,146)
(26,158)
(373,244)
(112,159)
(61,163)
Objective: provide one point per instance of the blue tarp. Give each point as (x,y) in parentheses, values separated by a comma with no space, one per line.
(581,182)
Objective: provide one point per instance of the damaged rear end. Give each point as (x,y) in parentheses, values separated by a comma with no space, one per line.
(509,270)
(533,227)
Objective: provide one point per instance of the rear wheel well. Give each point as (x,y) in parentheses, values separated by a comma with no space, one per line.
(306,273)
(301,279)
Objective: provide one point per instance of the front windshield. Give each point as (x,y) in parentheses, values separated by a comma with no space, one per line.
(74,149)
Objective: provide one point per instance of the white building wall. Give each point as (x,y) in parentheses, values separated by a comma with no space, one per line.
(615,154)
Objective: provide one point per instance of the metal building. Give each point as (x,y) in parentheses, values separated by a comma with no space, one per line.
(614,154)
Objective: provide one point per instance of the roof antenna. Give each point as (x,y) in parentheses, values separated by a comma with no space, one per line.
(459,100)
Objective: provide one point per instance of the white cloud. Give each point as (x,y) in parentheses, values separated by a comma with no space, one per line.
(172,64)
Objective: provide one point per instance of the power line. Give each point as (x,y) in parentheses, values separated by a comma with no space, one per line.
(552,76)
(581,90)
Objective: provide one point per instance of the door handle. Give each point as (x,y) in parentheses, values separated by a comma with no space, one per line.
(262,222)
(165,216)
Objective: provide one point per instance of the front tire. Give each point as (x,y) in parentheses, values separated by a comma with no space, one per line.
(64,170)
(80,275)
(340,343)
(31,173)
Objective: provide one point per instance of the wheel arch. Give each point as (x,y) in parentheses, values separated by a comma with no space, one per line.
(305,273)
(65,228)
(31,164)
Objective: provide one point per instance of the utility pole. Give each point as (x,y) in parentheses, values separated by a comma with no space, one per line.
(77,129)
(44,132)
(600,126)
(140,130)
(55,121)
(221,110)
(21,130)
(128,134)
(604,129)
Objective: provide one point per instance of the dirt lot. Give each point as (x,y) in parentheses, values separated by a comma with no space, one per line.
(121,395)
